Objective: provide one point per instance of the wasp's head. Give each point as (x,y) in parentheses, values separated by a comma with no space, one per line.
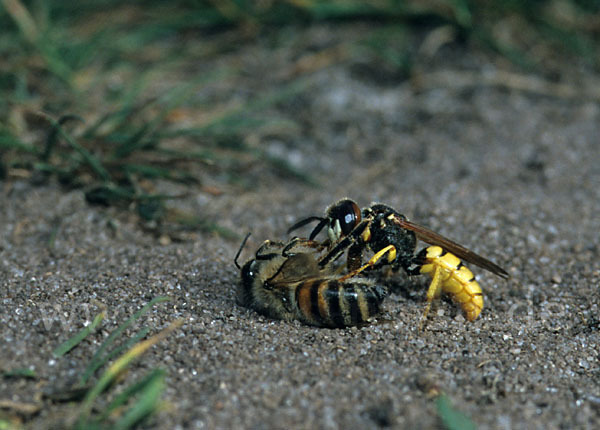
(343,217)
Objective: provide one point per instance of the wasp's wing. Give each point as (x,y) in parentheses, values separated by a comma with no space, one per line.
(460,251)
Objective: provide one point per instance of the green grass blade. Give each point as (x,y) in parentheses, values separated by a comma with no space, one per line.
(136,141)
(115,119)
(288,169)
(118,366)
(141,387)
(31,33)
(75,340)
(109,194)
(462,12)
(87,156)
(6,424)
(55,64)
(97,363)
(148,133)
(230,120)
(8,141)
(187,220)
(149,171)
(111,338)
(20,373)
(452,418)
(54,229)
(53,135)
(146,405)
(23,19)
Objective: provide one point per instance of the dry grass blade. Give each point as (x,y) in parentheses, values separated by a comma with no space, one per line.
(21,16)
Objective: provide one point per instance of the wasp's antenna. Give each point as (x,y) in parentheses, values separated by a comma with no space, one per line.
(305,221)
(318,228)
(240,250)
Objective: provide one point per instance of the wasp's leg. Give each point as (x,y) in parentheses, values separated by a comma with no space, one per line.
(390,250)
(355,253)
(425,263)
(417,262)
(297,242)
(355,238)
(433,292)
(454,278)
(336,252)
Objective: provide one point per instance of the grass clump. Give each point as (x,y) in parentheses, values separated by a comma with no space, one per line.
(128,404)
(121,98)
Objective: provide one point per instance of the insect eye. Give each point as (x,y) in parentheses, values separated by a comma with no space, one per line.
(248,271)
(347,213)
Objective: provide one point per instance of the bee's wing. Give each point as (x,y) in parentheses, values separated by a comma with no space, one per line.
(296,268)
(460,251)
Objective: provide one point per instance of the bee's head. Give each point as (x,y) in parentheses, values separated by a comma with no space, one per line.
(249,272)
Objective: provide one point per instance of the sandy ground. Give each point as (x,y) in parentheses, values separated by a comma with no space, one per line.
(512,174)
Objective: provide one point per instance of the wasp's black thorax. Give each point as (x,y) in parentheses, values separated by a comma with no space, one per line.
(384,232)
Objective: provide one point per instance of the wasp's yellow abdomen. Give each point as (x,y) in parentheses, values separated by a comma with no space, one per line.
(451,276)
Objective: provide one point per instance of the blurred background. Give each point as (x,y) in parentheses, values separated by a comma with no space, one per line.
(141,103)
(198,121)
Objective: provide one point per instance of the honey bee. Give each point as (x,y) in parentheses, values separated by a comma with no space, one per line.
(285,281)
(378,227)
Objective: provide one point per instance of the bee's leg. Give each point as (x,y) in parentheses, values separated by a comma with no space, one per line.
(390,250)
(262,252)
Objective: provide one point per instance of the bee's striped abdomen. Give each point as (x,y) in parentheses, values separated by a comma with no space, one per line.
(331,303)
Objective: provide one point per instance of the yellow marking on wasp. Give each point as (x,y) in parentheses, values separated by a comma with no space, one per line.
(366,235)
(447,277)
(390,248)
(391,254)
